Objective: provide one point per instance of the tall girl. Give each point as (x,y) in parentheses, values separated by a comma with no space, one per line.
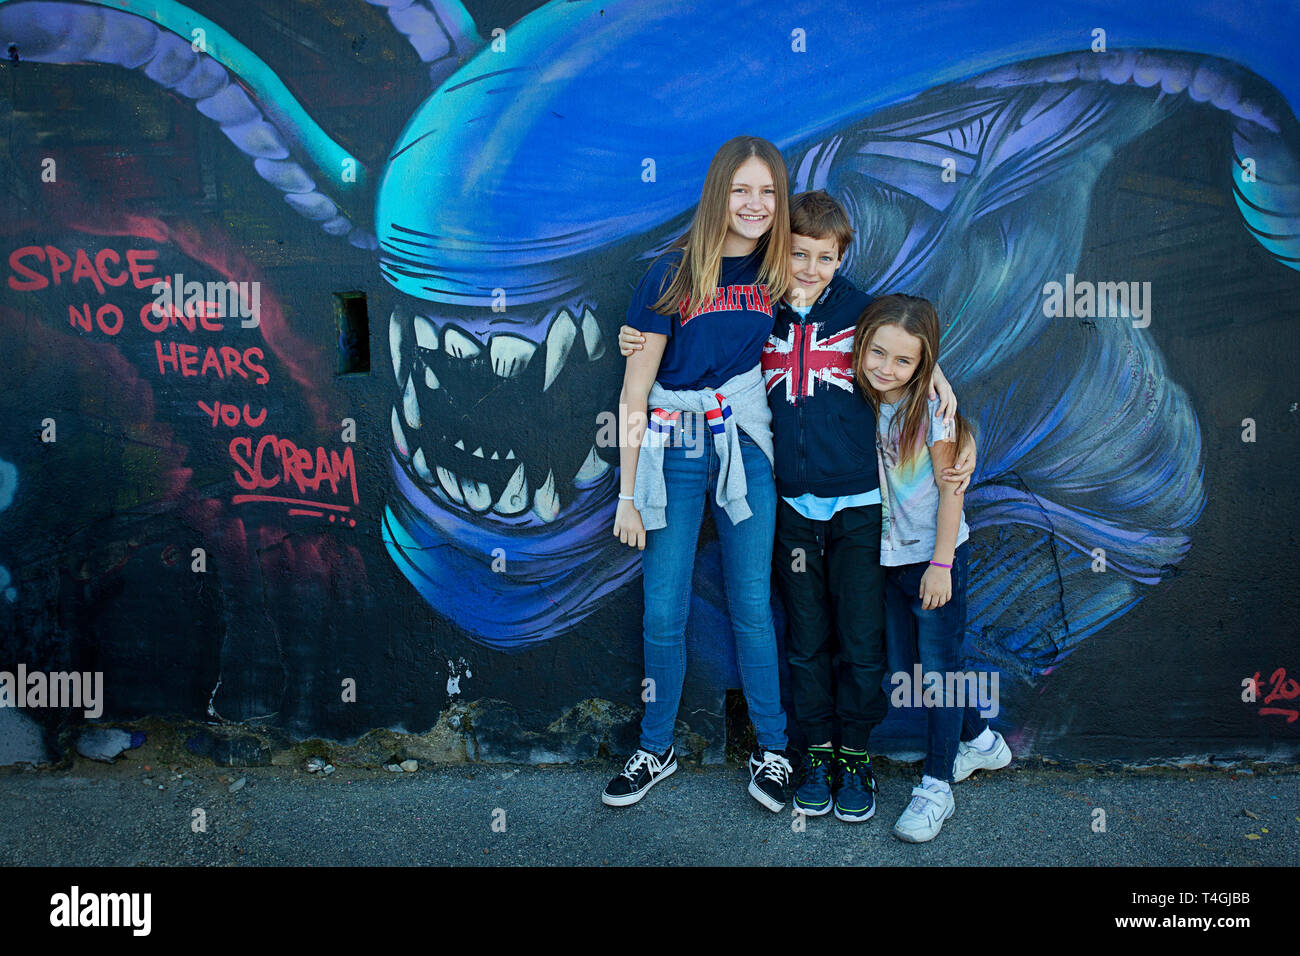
(923,538)
(706,309)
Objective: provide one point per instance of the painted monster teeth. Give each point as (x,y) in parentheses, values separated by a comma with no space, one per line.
(592,468)
(559,340)
(410,406)
(515,497)
(546,503)
(422,467)
(460,345)
(399,437)
(395,343)
(426,336)
(591,336)
(450,484)
(478,497)
(510,354)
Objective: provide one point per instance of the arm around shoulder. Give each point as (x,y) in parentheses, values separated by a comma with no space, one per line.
(948,523)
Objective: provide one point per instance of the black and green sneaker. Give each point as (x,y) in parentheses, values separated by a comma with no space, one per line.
(855,798)
(814,795)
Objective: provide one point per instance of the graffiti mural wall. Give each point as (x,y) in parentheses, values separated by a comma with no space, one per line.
(310,311)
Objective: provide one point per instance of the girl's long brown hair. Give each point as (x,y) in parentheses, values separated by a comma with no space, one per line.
(917,317)
(697,277)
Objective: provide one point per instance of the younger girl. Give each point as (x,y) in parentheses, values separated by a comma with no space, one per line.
(923,538)
(706,309)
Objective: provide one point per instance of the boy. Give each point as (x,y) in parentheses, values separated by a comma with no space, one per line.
(827,552)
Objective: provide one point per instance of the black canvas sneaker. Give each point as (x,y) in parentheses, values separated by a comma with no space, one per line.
(769,778)
(641,772)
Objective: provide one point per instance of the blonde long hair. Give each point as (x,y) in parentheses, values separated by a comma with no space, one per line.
(917,317)
(697,276)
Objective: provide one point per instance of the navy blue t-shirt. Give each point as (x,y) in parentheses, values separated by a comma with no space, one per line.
(718,339)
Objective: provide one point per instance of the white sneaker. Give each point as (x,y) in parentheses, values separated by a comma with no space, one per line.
(924,816)
(969,759)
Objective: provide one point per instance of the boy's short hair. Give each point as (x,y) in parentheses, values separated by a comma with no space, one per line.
(817,215)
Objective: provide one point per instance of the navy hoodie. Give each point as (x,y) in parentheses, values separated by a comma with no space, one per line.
(823,429)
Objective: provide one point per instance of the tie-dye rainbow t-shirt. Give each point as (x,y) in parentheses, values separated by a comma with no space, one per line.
(909,495)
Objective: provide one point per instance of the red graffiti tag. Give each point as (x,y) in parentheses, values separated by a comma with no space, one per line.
(156,318)
(26,278)
(184,357)
(230,415)
(1282,688)
(296,466)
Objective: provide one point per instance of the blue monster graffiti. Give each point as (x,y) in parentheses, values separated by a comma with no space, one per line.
(553,157)
(522,200)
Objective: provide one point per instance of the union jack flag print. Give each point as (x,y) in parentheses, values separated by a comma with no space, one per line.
(804,358)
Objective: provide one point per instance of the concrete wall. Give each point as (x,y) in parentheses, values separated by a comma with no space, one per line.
(207,512)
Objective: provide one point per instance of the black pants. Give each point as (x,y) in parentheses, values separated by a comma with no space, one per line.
(832,584)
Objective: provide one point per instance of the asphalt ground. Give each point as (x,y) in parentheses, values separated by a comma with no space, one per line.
(94,815)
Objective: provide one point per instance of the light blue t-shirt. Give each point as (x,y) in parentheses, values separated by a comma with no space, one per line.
(910,508)
(823,509)
(815,508)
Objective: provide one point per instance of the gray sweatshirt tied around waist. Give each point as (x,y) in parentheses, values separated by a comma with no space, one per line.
(740,402)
